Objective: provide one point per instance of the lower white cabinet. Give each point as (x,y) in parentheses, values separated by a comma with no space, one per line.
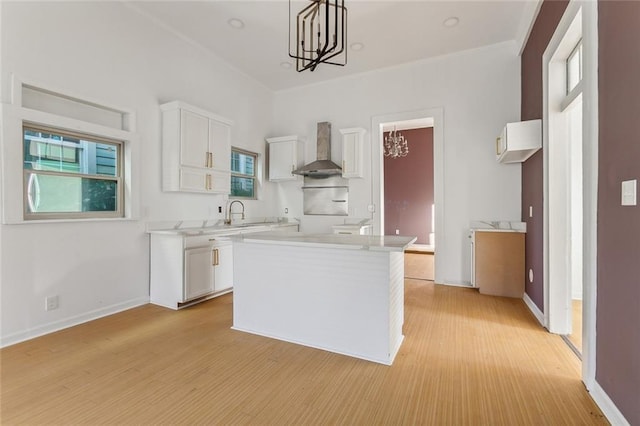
(198,272)
(223,266)
(187,269)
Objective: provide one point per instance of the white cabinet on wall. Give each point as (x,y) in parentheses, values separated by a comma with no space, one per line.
(196,150)
(352,157)
(519,141)
(286,154)
(189,269)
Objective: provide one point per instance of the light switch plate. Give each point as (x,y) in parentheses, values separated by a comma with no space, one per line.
(629,192)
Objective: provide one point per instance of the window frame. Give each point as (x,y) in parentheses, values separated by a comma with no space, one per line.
(577,50)
(254,177)
(119,179)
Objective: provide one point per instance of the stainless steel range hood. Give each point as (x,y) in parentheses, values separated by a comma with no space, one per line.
(323,166)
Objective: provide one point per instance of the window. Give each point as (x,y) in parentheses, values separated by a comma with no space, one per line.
(243,174)
(574,67)
(68,175)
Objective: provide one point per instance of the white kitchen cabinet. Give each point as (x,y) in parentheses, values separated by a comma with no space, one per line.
(196,150)
(286,154)
(352,156)
(222,266)
(188,269)
(519,141)
(198,273)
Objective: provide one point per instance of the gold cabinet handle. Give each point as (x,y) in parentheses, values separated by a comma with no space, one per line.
(206,159)
(498,146)
(211,159)
(213,257)
(216,257)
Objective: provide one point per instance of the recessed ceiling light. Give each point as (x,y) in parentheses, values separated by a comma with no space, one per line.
(357,46)
(235,23)
(285,65)
(451,22)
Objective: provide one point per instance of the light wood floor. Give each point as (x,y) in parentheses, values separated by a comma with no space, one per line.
(419,265)
(467,359)
(576,326)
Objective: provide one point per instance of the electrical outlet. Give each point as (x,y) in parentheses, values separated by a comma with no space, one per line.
(286,210)
(51,303)
(371,208)
(219,209)
(397,232)
(530,211)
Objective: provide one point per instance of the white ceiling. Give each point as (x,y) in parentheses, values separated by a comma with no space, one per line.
(393,32)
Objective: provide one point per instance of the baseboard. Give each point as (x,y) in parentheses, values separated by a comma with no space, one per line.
(31,333)
(534,309)
(606,405)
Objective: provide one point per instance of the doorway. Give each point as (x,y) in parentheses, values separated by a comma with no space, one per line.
(394,218)
(408,192)
(564,174)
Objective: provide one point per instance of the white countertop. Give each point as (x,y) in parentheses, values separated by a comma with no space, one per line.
(499,226)
(190,228)
(340,241)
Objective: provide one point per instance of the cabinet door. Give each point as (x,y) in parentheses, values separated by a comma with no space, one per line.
(220,145)
(352,153)
(198,277)
(194,180)
(223,270)
(194,139)
(282,160)
(219,182)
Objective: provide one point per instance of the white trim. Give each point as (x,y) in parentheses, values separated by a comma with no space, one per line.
(377,175)
(590,188)
(534,309)
(556,174)
(590,175)
(529,16)
(606,405)
(17,84)
(31,333)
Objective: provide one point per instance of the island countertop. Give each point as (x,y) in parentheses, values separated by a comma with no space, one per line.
(341,241)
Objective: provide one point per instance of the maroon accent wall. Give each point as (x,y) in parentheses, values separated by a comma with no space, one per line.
(618,280)
(408,187)
(532,172)
(618,298)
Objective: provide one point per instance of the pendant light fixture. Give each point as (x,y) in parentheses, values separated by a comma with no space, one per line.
(395,145)
(319,34)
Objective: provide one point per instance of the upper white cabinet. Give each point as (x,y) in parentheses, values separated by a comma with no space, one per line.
(286,154)
(519,141)
(196,149)
(352,159)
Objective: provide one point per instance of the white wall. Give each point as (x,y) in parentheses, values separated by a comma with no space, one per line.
(478,91)
(107,51)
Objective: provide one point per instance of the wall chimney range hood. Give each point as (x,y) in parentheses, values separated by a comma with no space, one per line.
(323,167)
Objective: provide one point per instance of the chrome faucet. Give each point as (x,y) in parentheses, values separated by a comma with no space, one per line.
(227,219)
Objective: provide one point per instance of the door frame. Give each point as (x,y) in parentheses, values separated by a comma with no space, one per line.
(377,175)
(553,312)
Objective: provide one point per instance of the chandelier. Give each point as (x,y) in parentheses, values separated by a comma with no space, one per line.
(395,145)
(320,34)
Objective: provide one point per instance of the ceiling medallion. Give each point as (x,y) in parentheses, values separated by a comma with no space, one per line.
(319,34)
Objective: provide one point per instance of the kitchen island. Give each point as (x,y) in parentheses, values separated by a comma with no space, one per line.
(340,293)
